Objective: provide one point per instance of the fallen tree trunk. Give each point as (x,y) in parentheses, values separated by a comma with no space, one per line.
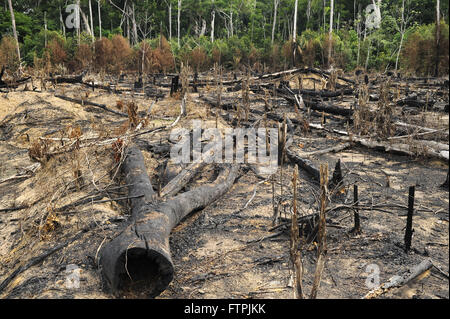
(331,109)
(403,149)
(14,84)
(304,163)
(83,102)
(139,259)
(67,79)
(316,106)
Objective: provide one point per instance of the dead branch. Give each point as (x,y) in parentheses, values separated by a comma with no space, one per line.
(83,102)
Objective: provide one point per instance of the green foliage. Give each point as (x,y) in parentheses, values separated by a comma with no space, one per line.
(420,54)
(242,33)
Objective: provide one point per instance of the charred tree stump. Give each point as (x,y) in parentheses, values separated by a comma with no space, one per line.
(357,226)
(138,259)
(409,231)
(445,185)
(174,85)
(2,83)
(337,174)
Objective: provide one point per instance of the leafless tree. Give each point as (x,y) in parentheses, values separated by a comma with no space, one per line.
(330,36)
(275,9)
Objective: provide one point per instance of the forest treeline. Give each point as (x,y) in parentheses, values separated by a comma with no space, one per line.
(159,35)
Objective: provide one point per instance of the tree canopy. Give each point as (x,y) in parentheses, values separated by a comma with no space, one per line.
(242,31)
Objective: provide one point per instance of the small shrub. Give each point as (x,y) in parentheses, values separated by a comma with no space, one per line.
(103,53)
(198,59)
(8,54)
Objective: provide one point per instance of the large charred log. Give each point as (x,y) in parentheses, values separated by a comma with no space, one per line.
(138,260)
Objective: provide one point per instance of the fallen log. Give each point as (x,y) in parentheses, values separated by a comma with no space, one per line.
(304,163)
(331,109)
(83,102)
(14,84)
(317,106)
(177,183)
(108,88)
(139,259)
(67,79)
(402,149)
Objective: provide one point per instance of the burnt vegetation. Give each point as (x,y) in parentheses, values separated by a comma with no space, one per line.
(87,175)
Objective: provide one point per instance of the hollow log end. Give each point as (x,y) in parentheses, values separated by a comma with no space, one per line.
(133,269)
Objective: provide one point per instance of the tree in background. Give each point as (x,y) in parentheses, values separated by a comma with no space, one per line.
(13,23)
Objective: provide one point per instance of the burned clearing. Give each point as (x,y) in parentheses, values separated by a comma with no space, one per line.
(66,193)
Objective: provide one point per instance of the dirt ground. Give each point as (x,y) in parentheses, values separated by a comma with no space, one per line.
(230,249)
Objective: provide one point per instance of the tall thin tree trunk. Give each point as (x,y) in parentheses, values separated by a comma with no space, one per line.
(99,19)
(63,26)
(294,32)
(92,21)
(402,31)
(170,21)
(78,22)
(231,21)
(213,20)
(178,21)
(368,54)
(13,23)
(358,32)
(135,33)
(330,36)
(45,29)
(275,9)
(438,32)
(86,23)
(308,13)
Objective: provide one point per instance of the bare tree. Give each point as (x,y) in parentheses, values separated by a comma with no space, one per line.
(308,12)
(178,21)
(78,23)
(13,22)
(330,36)
(438,31)
(92,21)
(61,21)
(213,20)
(402,30)
(45,29)
(99,19)
(294,32)
(275,9)
(169,7)
(133,20)
(86,23)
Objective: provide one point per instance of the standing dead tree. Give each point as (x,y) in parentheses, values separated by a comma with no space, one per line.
(295,250)
(322,233)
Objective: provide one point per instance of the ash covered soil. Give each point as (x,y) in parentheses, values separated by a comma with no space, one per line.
(233,248)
